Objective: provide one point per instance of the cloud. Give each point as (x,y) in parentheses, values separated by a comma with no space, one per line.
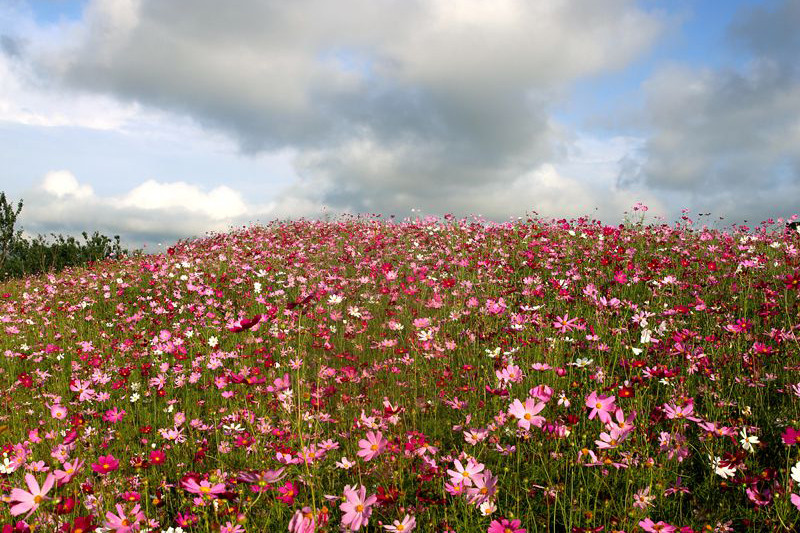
(218,204)
(398,103)
(728,139)
(62,183)
(150,213)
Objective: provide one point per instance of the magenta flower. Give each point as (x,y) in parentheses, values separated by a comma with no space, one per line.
(357,508)
(505,526)
(601,406)
(656,527)
(29,501)
(791,436)
(288,493)
(105,464)
(372,446)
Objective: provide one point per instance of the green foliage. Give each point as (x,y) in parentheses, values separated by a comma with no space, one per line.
(8,218)
(22,257)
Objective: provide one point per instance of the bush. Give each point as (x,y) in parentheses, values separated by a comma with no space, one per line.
(22,257)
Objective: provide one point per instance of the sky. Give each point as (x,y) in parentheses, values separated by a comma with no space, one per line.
(160,120)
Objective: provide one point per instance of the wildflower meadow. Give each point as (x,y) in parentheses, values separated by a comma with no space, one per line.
(429,375)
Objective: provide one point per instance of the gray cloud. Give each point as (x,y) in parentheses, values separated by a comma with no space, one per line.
(389,104)
(728,139)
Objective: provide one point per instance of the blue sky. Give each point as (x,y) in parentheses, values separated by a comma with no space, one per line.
(136,117)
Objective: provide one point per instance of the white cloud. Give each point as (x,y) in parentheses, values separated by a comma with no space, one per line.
(218,204)
(149,213)
(61,183)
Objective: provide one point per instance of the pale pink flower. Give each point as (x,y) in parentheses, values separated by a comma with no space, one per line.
(121,523)
(29,501)
(357,507)
(70,469)
(406,526)
(527,413)
(303,521)
(462,475)
(372,446)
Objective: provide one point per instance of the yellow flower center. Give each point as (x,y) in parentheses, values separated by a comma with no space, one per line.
(598,405)
(373,447)
(527,416)
(359,508)
(37,499)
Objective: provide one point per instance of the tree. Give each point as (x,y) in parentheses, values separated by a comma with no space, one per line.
(8,218)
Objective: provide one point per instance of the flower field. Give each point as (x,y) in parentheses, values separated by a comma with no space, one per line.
(429,375)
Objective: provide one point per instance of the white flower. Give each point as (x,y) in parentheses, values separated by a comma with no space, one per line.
(135,397)
(582,362)
(257,287)
(796,472)
(213,341)
(334,299)
(487,508)
(493,353)
(748,440)
(7,466)
(425,335)
(345,464)
(724,472)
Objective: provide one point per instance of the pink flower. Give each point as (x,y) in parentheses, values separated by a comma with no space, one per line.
(114,415)
(303,521)
(372,446)
(59,412)
(795,500)
(656,527)
(601,406)
(680,412)
(484,489)
(120,523)
(506,526)
(231,528)
(204,488)
(526,414)
(288,492)
(406,526)
(30,501)
(357,508)
(105,464)
(70,469)
(463,474)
